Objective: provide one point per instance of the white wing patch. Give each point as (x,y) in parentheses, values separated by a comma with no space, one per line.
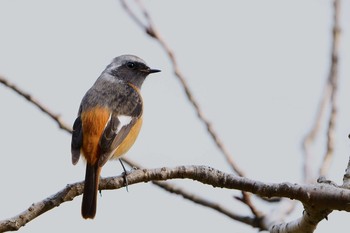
(124,120)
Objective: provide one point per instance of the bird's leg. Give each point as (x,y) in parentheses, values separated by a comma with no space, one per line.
(125,173)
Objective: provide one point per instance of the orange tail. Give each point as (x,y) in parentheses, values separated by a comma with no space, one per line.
(92,177)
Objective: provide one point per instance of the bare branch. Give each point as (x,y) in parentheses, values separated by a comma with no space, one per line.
(132,15)
(306,224)
(346,178)
(170,188)
(246,199)
(37,209)
(333,80)
(328,99)
(153,32)
(321,196)
(44,109)
(254,222)
(311,136)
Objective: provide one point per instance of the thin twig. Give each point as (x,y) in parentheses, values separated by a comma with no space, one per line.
(44,109)
(333,80)
(328,101)
(153,32)
(252,221)
(346,177)
(246,199)
(309,139)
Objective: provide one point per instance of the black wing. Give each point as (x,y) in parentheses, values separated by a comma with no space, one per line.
(77,140)
(113,135)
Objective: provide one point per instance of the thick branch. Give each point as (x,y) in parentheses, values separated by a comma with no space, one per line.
(320,196)
(306,224)
(254,222)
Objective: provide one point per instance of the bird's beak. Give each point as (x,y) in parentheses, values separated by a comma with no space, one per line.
(151,71)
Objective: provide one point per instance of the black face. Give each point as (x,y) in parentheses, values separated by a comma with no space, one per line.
(141,67)
(133,72)
(130,69)
(135,66)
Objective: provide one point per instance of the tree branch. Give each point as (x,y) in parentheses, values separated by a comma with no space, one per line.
(151,30)
(346,177)
(15,224)
(328,101)
(252,221)
(28,97)
(322,197)
(171,188)
(37,209)
(306,224)
(310,137)
(333,81)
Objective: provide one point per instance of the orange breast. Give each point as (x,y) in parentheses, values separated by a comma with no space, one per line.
(93,124)
(129,140)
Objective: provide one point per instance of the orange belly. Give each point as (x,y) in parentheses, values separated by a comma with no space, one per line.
(93,124)
(129,140)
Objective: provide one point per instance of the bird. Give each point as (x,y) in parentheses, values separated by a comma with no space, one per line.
(108,121)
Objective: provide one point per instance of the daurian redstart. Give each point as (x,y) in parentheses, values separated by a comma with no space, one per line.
(108,122)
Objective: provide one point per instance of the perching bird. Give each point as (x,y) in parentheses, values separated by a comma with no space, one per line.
(108,122)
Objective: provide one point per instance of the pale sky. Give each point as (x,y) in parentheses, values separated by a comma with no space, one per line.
(256,67)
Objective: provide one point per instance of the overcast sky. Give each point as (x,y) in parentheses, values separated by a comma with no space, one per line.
(256,67)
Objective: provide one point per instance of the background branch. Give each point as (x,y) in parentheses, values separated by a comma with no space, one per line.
(251,221)
(346,177)
(44,109)
(333,82)
(151,30)
(328,101)
(310,138)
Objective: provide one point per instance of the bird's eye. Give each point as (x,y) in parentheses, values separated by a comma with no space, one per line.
(130,65)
